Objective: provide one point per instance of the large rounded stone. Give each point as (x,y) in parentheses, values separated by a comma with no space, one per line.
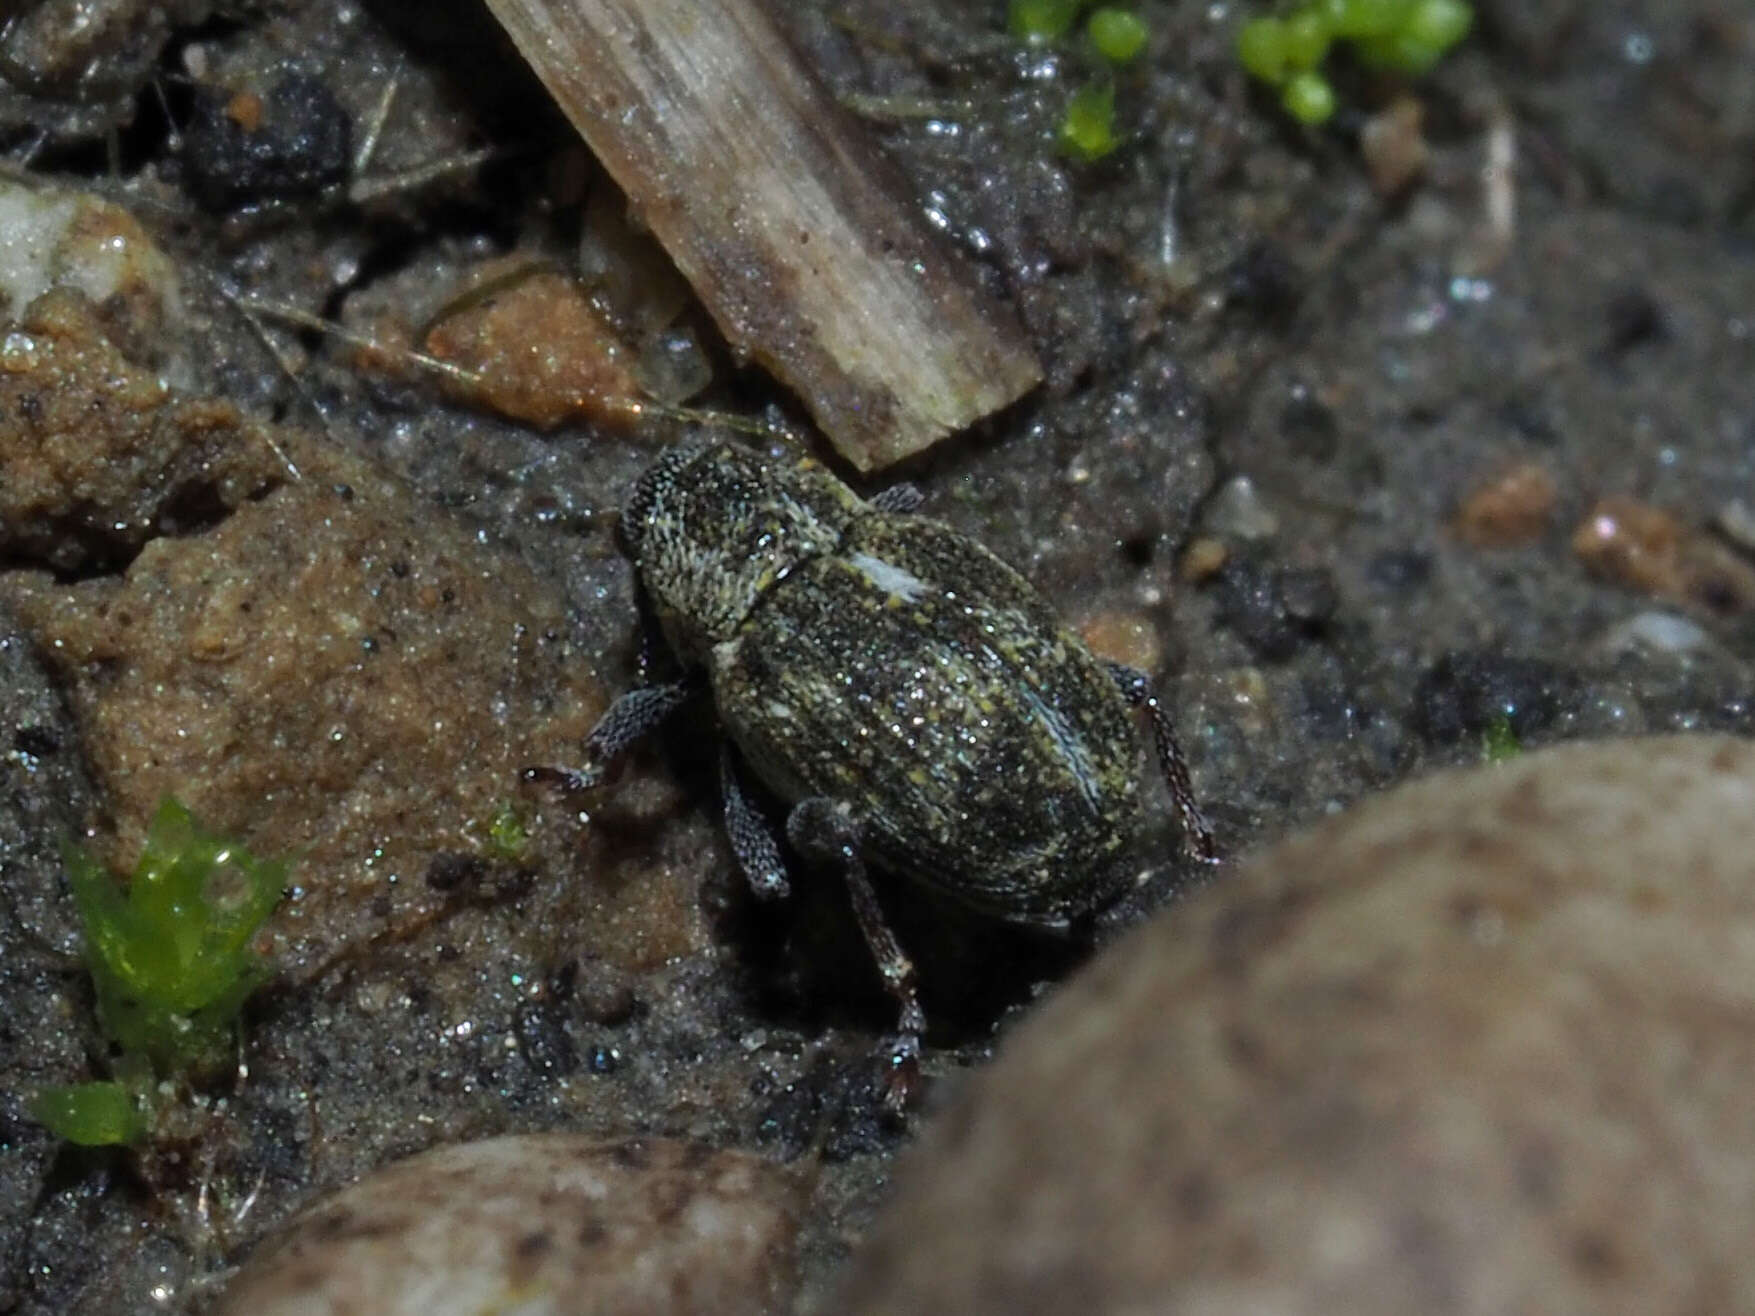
(541,1225)
(1483,1044)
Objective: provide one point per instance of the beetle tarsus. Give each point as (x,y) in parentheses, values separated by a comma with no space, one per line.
(565,781)
(902,1085)
(630,719)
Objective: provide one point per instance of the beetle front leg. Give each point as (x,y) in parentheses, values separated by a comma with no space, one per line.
(751,839)
(820,828)
(1136,688)
(631,718)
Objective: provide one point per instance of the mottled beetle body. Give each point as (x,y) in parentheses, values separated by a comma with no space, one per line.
(912,697)
(919,679)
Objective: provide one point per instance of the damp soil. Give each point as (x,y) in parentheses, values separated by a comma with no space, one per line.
(1284,456)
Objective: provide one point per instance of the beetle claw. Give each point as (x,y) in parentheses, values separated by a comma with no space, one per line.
(903,1083)
(566,781)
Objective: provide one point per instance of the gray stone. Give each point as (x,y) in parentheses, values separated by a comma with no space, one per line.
(1483,1044)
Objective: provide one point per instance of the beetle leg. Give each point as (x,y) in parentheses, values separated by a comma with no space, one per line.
(752,841)
(820,827)
(629,719)
(1136,688)
(899,499)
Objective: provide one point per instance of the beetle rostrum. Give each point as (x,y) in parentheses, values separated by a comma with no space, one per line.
(914,700)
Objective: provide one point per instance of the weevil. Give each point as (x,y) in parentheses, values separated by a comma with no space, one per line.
(914,701)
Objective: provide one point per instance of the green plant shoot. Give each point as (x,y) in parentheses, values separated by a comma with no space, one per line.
(171,955)
(172,959)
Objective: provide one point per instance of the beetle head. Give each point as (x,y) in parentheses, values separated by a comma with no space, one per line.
(709,526)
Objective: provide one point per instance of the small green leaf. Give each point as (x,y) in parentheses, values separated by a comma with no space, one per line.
(1087,131)
(1306,40)
(1397,53)
(1438,24)
(90,1114)
(1308,98)
(1261,49)
(1118,34)
(1364,18)
(1041,21)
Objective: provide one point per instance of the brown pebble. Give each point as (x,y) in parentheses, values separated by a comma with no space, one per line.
(1203,559)
(1127,638)
(245,110)
(1632,544)
(539,349)
(1645,549)
(1513,508)
(1394,146)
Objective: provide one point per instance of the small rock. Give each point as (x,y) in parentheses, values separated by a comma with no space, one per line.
(88,50)
(544,1225)
(1308,594)
(1274,612)
(1128,638)
(1264,281)
(1202,560)
(1634,318)
(1660,632)
(1631,544)
(1309,428)
(673,366)
(1736,521)
(240,147)
(539,350)
(1399,570)
(53,238)
(98,455)
(1238,513)
(1513,508)
(1483,1044)
(1645,549)
(1394,146)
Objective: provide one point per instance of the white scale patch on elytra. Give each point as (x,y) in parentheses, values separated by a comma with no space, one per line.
(1073,750)
(887,576)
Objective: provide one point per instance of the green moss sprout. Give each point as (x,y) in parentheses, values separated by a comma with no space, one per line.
(1042,21)
(172,957)
(507,836)
(1115,34)
(1499,740)
(1087,130)
(1286,49)
(1118,35)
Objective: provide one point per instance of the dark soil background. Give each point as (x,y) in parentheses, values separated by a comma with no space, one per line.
(1284,456)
